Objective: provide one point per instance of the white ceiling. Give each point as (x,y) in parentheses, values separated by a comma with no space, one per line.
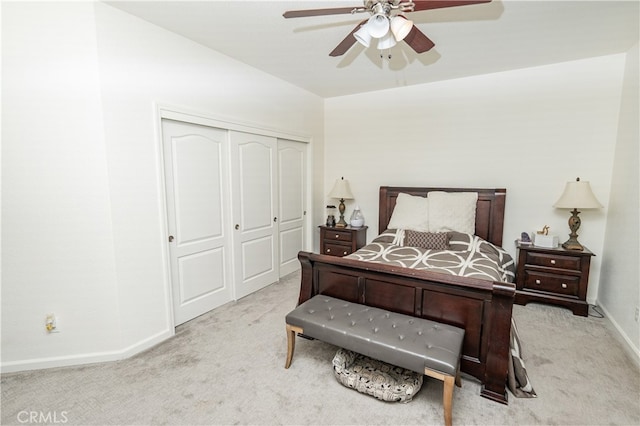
(470,40)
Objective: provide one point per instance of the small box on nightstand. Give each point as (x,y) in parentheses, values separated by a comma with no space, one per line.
(546,241)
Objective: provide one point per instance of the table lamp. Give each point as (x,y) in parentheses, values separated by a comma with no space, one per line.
(342,192)
(576,195)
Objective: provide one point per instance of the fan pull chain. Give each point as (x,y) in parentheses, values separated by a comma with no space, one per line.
(382,55)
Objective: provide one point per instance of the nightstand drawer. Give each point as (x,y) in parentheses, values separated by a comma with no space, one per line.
(336,249)
(337,235)
(553,260)
(552,283)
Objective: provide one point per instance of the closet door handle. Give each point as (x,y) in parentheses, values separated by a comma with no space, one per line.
(237,226)
(170,238)
(275,219)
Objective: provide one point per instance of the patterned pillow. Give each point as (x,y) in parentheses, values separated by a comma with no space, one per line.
(427,240)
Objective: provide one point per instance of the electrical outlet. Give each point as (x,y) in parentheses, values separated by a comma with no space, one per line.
(50,323)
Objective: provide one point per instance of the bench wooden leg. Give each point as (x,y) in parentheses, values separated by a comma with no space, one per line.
(291,343)
(447,393)
(447,399)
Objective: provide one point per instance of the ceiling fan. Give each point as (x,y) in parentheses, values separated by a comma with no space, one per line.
(387,22)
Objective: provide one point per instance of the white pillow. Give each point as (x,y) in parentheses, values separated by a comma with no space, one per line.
(410,212)
(452,211)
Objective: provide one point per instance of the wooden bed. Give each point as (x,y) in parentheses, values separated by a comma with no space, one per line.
(483,308)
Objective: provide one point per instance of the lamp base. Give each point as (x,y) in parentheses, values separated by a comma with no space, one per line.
(574,224)
(572,244)
(341,208)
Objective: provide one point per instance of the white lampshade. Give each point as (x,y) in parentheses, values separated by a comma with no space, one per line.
(386,42)
(341,190)
(577,195)
(400,27)
(378,25)
(363,36)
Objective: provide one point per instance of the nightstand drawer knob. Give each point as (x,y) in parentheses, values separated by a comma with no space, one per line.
(564,285)
(538,282)
(345,253)
(553,261)
(328,250)
(337,236)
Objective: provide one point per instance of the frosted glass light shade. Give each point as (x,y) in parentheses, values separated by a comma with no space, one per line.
(363,36)
(577,195)
(400,27)
(378,26)
(386,42)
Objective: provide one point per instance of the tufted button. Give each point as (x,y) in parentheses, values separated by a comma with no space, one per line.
(312,311)
(435,326)
(370,319)
(394,325)
(429,346)
(375,329)
(401,337)
(331,317)
(411,322)
(353,323)
(419,332)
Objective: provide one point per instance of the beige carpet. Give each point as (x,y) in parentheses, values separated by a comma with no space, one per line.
(227,367)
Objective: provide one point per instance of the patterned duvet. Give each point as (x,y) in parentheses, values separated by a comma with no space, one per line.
(467,256)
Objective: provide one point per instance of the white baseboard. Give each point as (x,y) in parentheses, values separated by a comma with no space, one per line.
(628,345)
(89,358)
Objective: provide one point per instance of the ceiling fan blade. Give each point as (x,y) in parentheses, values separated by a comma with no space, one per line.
(418,41)
(348,41)
(320,12)
(439,4)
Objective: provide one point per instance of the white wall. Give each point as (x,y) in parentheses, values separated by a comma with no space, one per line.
(620,280)
(141,64)
(83,210)
(57,236)
(529,131)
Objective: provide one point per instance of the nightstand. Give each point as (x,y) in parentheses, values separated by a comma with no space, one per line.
(341,241)
(553,275)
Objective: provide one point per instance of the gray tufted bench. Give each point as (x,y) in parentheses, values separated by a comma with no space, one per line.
(416,344)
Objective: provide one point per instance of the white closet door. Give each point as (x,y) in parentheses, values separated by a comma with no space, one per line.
(196,160)
(254,205)
(292,184)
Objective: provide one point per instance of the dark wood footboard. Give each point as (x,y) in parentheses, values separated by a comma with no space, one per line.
(483,308)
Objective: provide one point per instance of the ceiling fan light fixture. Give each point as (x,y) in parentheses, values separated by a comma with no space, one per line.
(386,42)
(363,36)
(400,27)
(378,25)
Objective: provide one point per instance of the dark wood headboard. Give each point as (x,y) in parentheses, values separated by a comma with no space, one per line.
(489,212)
